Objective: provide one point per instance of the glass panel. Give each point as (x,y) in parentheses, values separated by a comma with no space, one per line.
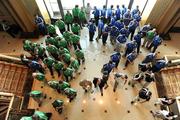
(98,3)
(70,4)
(140,3)
(118,2)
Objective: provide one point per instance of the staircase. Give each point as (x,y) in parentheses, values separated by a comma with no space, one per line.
(4,105)
(12,77)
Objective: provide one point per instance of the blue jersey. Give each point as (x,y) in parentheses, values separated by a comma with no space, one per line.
(92,27)
(103,12)
(135,11)
(96,13)
(100,25)
(113,20)
(137,38)
(124,10)
(156,40)
(149,58)
(137,17)
(131,57)
(133,25)
(127,16)
(131,46)
(119,25)
(108,67)
(118,13)
(114,32)
(121,39)
(109,12)
(160,64)
(115,57)
(146,28)
(107,28)
(35,65)
(124,31)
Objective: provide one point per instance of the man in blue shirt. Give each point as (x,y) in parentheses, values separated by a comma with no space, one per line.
(124,10)
(103,14)
(115,57)
(155,43)
(145,29)
(130,58)
(149,58)
(96,15)
(160,64)
(130,47)
(118,13)
(34,65)
(113,20)
(127,18)
(137,38)
(124,31)
(108,67)
(113,34)
(100,28)
(137,17)
(121,39)
(135,11)
(109,14)
(40,23)
(119,24)
(105,34)
(132,27)
(92,29)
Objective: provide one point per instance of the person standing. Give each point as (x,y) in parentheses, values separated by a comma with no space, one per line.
(49,63)
(105,34)
(38,96)
(160,64)
(119,24)
(127,17)
(58,66)
(103,14)
(68,73)
(76,28)
(120,40)
(88,12)
(92,29)
(130,47)
(108,67)
(80,56)
(68,19)
(155,43)
(115,57)
(119,77)
(137,38)
(150,57)
(40,23)
(132,27)
(51,30)
(61,25)
(96,15)
(123,11)
(130,58)
(53,51)
(82,17)
(75,13)
(76,41)
(109,14)
(100,28)
(39,76)
(118,13)
(114,34)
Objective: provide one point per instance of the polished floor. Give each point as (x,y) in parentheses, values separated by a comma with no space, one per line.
(111,106)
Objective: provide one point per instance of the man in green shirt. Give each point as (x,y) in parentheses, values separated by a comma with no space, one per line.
(40,51)
(149,37)
(80,56)
(58,66)
(38,96)
(27,45)
(66,57)
(39,76)
(53,51)
(51,30)
(58,105)
(67,36)
(50,40)
(76,41)
(71,93)
(53,84)
(62,86)
(75,28)
(49,61)
(38,115)
(68,73)
(62,43)
(63,51)
(68,19)
(82,17)
(75,12)
(26,118)
(74,64)
(61,25)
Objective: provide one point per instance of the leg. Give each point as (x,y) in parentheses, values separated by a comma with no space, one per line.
(138,47)
(79,46)
(101,90)
(75,46)
(132,34)
(115,86)
(51,71)
(117,63)
(145,41)
(126,63)
(154,49)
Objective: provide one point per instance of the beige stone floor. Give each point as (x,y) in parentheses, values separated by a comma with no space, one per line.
(94,106)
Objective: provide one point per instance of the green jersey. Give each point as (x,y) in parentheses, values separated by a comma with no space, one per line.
(27,45)
(26,118)
(82,15)
(67,36)
(36,94)
(52,49)
(58,65)
(75,64)
(60,24)
(75,39)
(51,29)
(67,58)
(63,43)
(70,91)
(40,50)
(50,40)
(53,84)
(40,76)
(150,35)
(79,54)
(64,85)
(63,51)
(68,18)
(40,115)
(57,103)
(49,61)
(68,72)
(75,28)
(75,11)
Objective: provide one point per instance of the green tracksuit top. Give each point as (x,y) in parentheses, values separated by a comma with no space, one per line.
(40,76)
(58,65)
(36,94)
(68,18)
(49,61)
(82,15)
(79,54)
(75,64)
(75,28)
(52,49)
(60,24)
(40,115)
(51,29)
(62,43)
(68,72)
(75,11)
(75,39)
(67,57)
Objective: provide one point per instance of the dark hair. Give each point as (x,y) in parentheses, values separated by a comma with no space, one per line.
(126,77)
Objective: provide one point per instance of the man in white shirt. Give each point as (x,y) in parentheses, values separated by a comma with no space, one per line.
(88,12)
(119,77)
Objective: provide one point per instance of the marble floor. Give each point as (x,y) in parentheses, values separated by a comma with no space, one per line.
(111,106)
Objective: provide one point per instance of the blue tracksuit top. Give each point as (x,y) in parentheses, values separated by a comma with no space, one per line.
(156,40)
(108,28)
(91,27)
(113,20)
(118,13)
(149,58)
(103,12)
(131,46)
(160,64)
(124,10)
(134,11)
(133,25)
(115,57)
(109,12)
(100,25)
(114,32)
(34,65)
(145,28)
(137,17)
(119,25)
(108,67)
(124,31)
(96,13)
(131,57)
(127,16)
(121,38)
(137,38)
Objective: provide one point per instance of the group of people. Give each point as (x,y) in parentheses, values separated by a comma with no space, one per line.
(120,24)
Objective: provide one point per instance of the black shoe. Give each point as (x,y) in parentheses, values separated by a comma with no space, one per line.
(114,90)
(132,102)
